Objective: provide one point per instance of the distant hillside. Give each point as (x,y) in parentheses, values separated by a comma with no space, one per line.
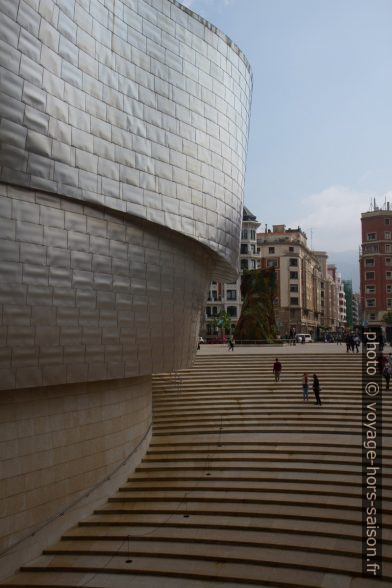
(347,263)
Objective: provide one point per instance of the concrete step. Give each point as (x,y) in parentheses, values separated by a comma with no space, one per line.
(243,484)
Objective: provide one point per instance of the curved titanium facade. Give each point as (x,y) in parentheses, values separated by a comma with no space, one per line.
(124,111)
(135,105)
(123,136)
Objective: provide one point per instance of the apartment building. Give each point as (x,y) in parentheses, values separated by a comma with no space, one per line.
(299,279)
(329,315)
(340,297)
(376,264)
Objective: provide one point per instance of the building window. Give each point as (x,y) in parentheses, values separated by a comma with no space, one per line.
(387,221)
(389,289)
(294,261)
(388,261)
(370,248)
(253,235)
(244,264)
(369,261)
(371,236)
(271,249)
(387,235)
(232,311)
(369,275)
(293,275)
(208,310)
(244,249)
(272,263)
(209,330)
(291,249)
(252,264)
(214,311)
(370,289)
(244,234)
(371,302)
(372,316)
(294,288)
(294,301)
(389,302)
(388,275)
(231,294)
(387,248)
(253,249)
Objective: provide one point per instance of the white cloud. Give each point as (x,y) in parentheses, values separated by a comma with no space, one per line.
(333,217)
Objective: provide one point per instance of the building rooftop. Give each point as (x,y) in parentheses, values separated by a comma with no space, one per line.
(247,215)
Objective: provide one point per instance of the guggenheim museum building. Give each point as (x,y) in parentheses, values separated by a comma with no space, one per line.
(123,141)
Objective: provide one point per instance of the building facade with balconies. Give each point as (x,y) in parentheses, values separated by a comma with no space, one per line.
(340,297)
(299,279)
(329,314)
(376,264)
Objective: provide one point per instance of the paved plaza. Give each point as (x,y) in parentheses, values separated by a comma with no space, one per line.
(298,349)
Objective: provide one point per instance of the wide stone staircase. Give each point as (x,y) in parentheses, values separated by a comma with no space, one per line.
(243,484)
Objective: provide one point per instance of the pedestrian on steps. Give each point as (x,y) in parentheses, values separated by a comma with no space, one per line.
(316,389)
(231,344)
(387,374)
(305,387)
(277,369)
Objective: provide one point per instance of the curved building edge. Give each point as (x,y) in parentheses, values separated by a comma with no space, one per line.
(116,209)
(216,30)
(142,108)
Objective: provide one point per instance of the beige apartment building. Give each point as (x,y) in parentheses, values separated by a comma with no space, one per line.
(306,295)
(329,312)
(340,296)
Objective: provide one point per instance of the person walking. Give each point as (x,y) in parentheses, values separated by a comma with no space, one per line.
(277,369)
(316,389)
(387,374)
(381,361)
(231,344)
(305,387)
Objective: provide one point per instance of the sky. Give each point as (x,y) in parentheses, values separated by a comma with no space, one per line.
(321,125)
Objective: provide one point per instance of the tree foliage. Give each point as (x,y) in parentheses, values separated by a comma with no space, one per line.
(222,321)
(257,320)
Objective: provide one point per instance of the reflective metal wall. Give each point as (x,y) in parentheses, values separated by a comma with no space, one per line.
(134,104)
(123,137)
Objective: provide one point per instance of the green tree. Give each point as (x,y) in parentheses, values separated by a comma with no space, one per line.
(222,321)
(387,318)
